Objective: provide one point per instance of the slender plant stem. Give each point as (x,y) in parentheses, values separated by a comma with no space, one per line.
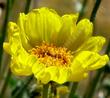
(93,84)
(81,13)
(28,3)
(95,9)
(45,91)
(19,93)
(9,5)
(108,48)
(91,88)
(5,84)
(73,89)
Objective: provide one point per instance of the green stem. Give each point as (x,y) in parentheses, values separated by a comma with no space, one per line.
(9,5)
(108,48)
(91,88)
(93,84)
(73,89)
(19,93)
(95,9)
(5,84)
(46,91)
(28,3)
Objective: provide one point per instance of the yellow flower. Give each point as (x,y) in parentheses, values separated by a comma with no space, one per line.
(53,48)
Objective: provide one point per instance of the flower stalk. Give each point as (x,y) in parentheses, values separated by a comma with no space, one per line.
(94,11)
(20,91)
(91,89)
(46,91)
(28,3)
(5,84)
(9,6)
(73,89)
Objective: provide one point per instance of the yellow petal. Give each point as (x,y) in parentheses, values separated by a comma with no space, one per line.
(103,60)
(40,25)
(53,73)
(41,75)
(93,44)
(21,64)
(85,28)
(6,47)
(13,33)
(37,67)
(68,27)
(62,75)
(87,60)
(83,32)
(24,38)
(22,61)
(78,76)
(39,72)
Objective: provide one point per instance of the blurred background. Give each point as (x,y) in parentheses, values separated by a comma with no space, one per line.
(101,27)
(102,23)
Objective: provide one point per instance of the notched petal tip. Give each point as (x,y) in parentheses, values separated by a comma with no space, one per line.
(73,17)
(12,27)
(67,29)
(44,9)
(100,63)
(86,26)
(87,60)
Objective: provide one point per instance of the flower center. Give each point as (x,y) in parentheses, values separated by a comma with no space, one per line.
(50,55)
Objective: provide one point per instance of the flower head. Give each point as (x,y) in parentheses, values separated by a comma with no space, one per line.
(53,48)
